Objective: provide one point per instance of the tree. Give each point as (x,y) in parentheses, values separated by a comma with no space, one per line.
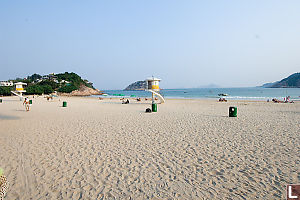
(34,89)
(34,77)
(73,78)
(47,89)
(5,90)
(67,88)
(50,83)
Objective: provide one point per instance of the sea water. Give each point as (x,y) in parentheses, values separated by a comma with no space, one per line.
(253,93)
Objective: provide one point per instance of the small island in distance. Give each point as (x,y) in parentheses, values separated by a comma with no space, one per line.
(138,85)
(293,81)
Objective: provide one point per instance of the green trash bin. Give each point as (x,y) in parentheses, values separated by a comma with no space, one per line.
(0,100)
(154,107)
(64,104)
(30,101)
(232,111)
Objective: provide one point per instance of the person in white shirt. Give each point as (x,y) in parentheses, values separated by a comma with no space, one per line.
(26,103)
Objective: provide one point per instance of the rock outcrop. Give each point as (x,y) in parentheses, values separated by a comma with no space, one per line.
(83,91)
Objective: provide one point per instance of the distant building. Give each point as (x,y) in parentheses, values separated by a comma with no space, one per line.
(49,77)
(52,75)
(64,81)
(37,81)
(45,77)
(6,83)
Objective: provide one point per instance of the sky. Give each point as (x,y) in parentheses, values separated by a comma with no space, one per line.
(188,44)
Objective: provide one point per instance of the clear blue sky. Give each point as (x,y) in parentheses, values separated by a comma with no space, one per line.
(185,43)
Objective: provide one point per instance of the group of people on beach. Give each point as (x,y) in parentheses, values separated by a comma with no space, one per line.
(285,100)
(222,99)
(137,99)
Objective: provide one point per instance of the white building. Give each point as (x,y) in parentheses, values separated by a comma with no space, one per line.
(6,83)
(45,77)
(38,80)
(64,81)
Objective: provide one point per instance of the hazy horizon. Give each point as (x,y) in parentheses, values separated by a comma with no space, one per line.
(186,44)
(196,87)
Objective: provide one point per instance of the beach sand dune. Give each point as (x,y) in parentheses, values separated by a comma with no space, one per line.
(189,149)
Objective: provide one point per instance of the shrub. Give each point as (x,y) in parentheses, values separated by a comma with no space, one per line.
(5,90)
(34,89)
(52,84)
(67,88)
(47,89)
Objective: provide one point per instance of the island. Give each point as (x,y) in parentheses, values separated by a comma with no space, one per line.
(138,85)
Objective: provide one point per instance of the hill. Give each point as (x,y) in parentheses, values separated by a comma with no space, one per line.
(64,83)
(267,85)
(293,81)
(138,85)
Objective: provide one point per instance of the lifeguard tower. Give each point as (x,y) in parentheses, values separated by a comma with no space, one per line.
(19,90)
(153,87)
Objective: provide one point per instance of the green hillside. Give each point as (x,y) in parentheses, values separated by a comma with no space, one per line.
(38,84)
(293,81)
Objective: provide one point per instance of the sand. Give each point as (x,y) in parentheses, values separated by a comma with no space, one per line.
(189,149)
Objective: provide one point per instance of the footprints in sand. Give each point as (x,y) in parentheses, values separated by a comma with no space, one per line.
(101,155)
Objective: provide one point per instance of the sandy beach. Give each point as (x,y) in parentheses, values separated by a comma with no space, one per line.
(189,149)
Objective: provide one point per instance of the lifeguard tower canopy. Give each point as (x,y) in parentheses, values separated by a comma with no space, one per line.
(19,87)
(153,83)
(153,87)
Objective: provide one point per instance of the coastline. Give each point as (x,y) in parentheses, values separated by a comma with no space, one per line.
(251,93)
(177,99)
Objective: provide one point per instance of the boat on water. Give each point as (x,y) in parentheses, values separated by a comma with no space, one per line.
(223,94)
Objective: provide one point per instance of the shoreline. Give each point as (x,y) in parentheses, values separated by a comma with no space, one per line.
(249,93)
(200,99)
(167,98)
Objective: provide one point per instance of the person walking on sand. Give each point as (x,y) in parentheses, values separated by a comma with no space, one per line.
(26,103)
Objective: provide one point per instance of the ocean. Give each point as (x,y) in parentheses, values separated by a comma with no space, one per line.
(253,93)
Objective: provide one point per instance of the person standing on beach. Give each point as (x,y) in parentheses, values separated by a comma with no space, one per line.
(26,103)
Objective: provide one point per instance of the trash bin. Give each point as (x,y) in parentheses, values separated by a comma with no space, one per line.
(30,101)
(154,107)
(0,100)
(64,104)
(232,111)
